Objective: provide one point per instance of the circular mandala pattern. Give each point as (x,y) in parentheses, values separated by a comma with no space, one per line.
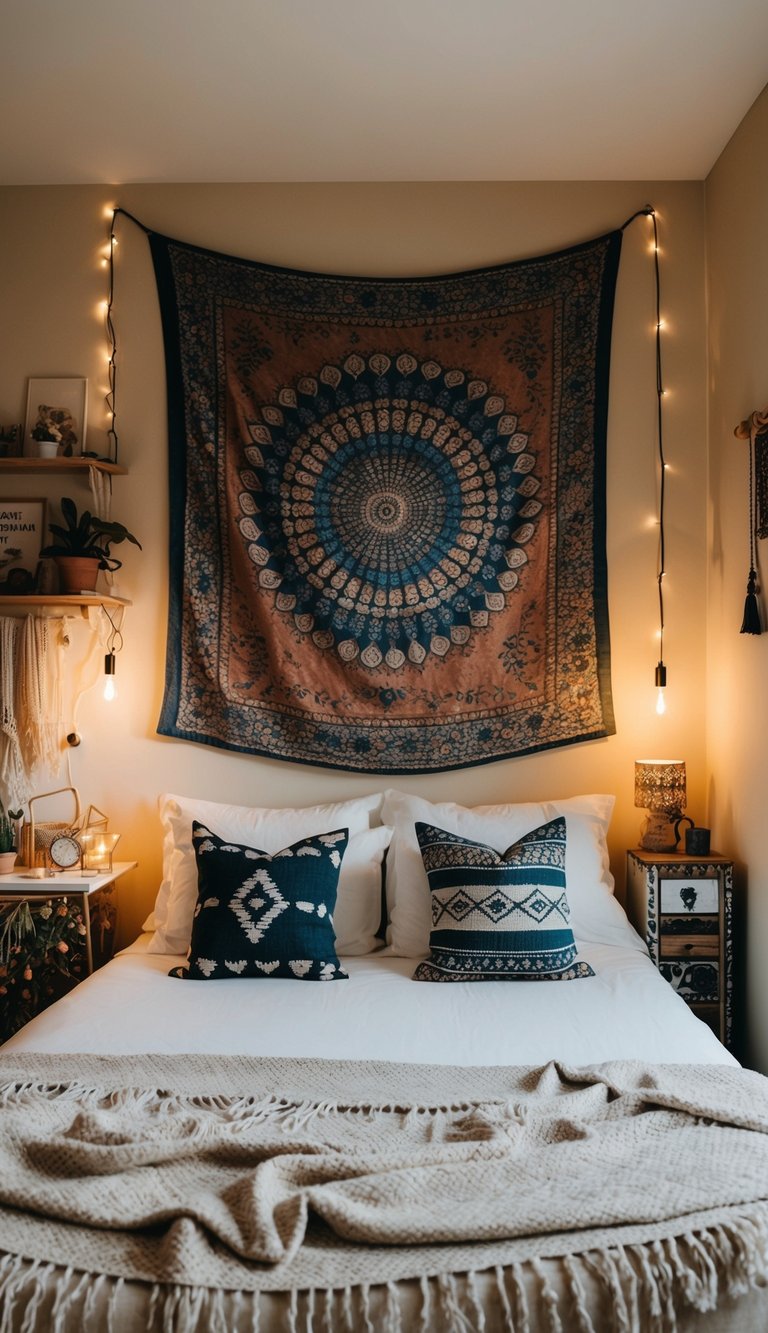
(388,504)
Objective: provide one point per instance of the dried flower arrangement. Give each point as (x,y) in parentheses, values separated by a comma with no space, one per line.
(42,954)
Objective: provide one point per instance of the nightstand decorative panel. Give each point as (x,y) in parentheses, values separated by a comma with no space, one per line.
(683,908)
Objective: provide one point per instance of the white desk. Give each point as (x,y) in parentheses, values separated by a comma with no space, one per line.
(22,885)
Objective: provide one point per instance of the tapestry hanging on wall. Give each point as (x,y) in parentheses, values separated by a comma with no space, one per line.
(387,509)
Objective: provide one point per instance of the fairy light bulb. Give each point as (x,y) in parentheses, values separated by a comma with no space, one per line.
(110,688)
(661,685)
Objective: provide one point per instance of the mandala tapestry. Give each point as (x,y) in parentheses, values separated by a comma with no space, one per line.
(387,509)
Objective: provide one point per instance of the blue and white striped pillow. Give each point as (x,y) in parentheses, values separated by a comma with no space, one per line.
(498,916)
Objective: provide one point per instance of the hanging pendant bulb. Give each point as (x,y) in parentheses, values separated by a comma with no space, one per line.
(661,685)
(110,688)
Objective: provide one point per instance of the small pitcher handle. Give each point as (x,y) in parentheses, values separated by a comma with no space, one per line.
(683,819)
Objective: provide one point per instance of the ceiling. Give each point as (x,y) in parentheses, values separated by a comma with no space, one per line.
(307,90)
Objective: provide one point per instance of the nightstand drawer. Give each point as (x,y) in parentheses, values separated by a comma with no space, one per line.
(690,895)
(695,980)
(683,908)
(689,946)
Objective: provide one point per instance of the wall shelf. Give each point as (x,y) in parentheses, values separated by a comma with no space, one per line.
(60,465)
(61,602)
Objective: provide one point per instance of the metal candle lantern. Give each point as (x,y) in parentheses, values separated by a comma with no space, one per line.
(98,849)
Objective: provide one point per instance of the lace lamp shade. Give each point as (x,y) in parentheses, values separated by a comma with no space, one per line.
(660,785)
(660,789)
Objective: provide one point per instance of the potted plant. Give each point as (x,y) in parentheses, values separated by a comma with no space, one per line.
(8,839)
(83,547)
(48,439)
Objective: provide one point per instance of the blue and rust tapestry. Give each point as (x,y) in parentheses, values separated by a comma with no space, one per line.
(387,509)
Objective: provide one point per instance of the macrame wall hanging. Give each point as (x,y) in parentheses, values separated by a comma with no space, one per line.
(30,704)
(755,430)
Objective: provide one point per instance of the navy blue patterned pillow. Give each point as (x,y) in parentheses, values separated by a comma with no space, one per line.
(265,916)
(498,917)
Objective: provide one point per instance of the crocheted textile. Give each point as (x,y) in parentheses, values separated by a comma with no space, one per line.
(200,1174)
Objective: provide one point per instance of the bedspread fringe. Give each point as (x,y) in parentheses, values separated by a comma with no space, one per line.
(638,1288)
(202,1112)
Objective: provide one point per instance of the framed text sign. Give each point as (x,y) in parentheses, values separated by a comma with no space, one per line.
(22,535)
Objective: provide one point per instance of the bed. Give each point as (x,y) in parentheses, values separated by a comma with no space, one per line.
(567,1154)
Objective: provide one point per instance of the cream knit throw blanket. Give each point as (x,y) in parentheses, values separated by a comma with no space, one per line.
(198,1174)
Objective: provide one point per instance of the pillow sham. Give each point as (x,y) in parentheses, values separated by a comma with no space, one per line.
(596,916)
(499,916)
(358,907)
(259,915)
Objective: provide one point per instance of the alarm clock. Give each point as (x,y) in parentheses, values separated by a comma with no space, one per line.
(65,851)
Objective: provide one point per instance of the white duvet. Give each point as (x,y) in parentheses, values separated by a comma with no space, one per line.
(626,1011)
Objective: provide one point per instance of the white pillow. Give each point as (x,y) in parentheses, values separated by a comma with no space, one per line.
(596,917)
(358,905)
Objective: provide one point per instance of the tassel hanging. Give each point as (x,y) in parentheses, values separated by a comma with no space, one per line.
(751,622)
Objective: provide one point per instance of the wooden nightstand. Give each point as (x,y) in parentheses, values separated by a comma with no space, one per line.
(683,908)
(78,912)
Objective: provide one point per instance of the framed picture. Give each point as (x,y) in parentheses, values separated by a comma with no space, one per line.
(22,536)
(56,416)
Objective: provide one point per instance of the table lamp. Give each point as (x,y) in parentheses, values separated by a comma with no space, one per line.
(660,789)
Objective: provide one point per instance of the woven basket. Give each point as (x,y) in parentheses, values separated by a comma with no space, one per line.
(36,838)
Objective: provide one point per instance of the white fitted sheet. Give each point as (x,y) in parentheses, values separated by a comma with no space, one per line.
(626,1011)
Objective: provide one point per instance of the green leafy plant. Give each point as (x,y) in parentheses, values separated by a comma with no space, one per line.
(87,536)
(42,955)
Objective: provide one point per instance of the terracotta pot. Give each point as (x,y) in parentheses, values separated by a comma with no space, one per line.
(77,573)
(7,862)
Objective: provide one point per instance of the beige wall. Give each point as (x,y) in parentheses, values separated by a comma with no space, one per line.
(737,708)
(51,282)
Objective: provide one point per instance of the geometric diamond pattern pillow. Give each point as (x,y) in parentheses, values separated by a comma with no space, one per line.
(265,916)
(498,916)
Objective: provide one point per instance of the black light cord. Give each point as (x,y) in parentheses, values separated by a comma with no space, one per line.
(650,212)
(114,642)
(662,566)
(111,395)
(110,399)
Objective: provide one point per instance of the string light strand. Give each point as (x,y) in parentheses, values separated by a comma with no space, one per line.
(110,397)
(661,670)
